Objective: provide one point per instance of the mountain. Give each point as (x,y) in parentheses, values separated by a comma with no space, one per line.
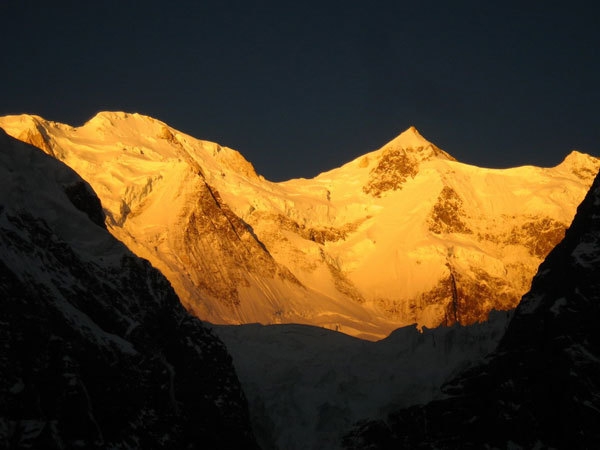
(541,387)
(96,350)
(404,234)
(307,385)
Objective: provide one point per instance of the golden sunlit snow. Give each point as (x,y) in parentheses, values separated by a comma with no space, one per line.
(404,234)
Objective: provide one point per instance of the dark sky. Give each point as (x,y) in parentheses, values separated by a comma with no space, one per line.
(301,87)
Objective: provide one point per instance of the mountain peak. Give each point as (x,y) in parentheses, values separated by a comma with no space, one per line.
(348,236)
(580,164)
(413,130)
(410,139)
(577,157)
(111,118)
(400,159)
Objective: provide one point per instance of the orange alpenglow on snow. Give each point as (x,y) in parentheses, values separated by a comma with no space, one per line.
(404,234)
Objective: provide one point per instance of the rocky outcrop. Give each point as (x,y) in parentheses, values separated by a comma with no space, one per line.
(448,214)
(96,350)
(38,137)
(539,235)
(320,235)
(394,167)
(399,160)
(222,249)
(541,387)
(83,198)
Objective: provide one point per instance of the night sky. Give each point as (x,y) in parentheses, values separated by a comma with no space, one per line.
(302,87)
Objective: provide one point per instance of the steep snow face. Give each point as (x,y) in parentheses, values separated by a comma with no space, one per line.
(96,350)
(541,387)
(157,189)
(404,234)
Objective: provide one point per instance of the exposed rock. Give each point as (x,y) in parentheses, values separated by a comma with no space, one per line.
(541,387)
(448,214)
(464,297)
(391,172)
(83,198)
(38,137)
(223,249)
(342,282)
(96,350)
(539,236)
(320,235)
(476,294)
(399,160)
(166,134)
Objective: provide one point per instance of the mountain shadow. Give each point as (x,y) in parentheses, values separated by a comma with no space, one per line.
(96,350)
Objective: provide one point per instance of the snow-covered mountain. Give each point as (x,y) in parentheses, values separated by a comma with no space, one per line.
(96,350)
(540,388)
(402,235)
(306,385)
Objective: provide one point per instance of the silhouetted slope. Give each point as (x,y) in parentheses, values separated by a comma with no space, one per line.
(541,387)
(96,350)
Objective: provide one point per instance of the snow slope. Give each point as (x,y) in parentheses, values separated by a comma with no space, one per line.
(540,388)
(404,234)
(306,386)
(96,350)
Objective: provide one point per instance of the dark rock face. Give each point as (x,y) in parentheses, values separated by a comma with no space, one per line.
(83,198)
(541,387)
(96,350)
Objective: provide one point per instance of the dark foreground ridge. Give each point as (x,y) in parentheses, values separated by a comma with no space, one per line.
(541,387)
(95,349)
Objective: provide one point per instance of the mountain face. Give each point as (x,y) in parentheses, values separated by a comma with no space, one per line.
(541,386)
(402,235)
(306,385)
(96,350)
